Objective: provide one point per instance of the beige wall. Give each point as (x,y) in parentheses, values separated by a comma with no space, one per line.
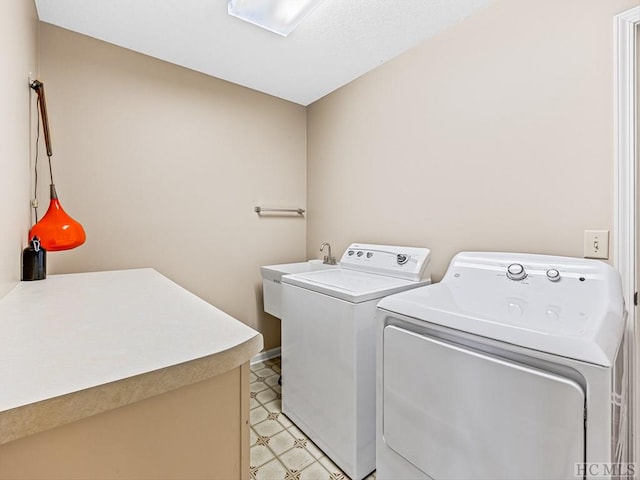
(495,135)
(18,57)
(163,167)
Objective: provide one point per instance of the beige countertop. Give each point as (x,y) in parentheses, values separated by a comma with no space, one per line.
(76,345)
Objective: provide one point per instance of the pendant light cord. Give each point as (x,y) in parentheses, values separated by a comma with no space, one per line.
(34,203)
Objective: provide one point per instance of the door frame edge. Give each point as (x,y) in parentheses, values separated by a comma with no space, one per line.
(625,195)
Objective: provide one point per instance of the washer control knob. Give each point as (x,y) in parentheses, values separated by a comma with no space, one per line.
(359,253)
(369,254)
(351,252)
(402,258)
(515,271)
(553,274)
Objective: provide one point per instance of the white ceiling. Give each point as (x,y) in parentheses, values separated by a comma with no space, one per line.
(338,42)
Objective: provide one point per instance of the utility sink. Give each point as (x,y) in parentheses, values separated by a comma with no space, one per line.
(271,275)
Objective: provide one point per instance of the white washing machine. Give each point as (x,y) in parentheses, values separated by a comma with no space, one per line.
(510,368)
(328,347)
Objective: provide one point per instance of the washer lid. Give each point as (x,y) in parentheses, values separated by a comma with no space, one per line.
(579,315)
(350,285)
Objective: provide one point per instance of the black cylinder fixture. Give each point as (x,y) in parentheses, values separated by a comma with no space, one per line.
(34,261)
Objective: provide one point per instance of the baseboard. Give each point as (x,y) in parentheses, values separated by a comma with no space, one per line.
(266,355)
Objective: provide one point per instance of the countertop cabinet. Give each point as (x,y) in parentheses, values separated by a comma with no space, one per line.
(121,375)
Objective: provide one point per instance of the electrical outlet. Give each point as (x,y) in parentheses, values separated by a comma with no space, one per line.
(596,244)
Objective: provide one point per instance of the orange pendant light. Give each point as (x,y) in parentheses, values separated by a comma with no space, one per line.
(56,230)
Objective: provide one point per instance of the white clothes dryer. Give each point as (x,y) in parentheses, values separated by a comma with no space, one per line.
(510,368)
(328,347)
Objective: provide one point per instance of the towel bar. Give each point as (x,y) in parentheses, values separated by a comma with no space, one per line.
(299,211)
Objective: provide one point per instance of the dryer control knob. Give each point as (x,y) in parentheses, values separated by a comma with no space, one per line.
(553,274)
(515,271)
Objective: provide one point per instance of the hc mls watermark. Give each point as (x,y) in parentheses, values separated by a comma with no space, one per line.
(605,470)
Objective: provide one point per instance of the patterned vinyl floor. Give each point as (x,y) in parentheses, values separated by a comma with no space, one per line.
(279,450)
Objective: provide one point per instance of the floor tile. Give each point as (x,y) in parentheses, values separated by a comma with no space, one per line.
(274,470)
(296,432)
(276,388)
(268,428)
(274,416)
(272,380)
(281,442)
(314,450)
(260,454)
(258,386)
(257,366)
(296,459)
(253,436)
(315,471)
(257,415)
(284,421)
(266,396)
(333,469)
(274,406)
(264,372)
(292,475)
(263,440)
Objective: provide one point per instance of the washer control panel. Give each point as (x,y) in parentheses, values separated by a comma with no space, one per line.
(401,258)
(395,261)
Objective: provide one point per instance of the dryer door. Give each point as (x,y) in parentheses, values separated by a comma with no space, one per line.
(458,413)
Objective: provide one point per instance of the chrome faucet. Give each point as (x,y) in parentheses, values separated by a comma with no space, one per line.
(328,259)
